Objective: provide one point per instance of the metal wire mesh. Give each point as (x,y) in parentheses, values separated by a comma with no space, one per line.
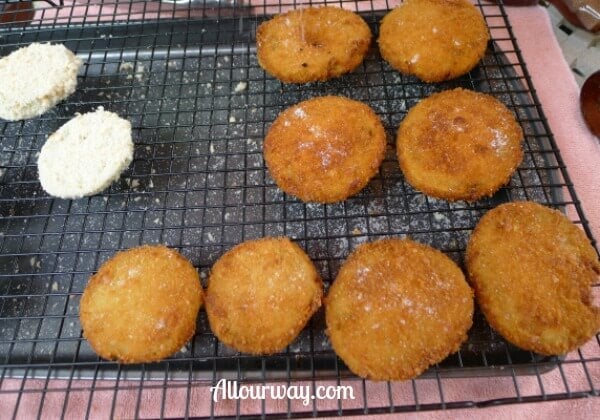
(188,80)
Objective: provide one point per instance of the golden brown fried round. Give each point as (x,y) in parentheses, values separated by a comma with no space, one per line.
(434,40)
(261,294)
(325,149)
(459,145)
(141,306)
(396,308)
(315,43)
(532,270)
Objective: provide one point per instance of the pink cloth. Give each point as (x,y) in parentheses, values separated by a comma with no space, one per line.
(558,94)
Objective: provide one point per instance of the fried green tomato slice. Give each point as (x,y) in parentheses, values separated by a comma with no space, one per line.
(533,270)
(141,306)
(435,40)
(459,145)
(396,308)
(312,44)
(261,294)
(325,149)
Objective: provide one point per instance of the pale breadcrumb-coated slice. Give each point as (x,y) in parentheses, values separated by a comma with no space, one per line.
(35,78)
(84,156)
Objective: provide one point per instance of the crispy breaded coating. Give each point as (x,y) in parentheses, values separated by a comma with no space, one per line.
(532,270)
(325,149)
(435,40)
(314,43)
(261,294)
(459,145)
(396,308)
(141,306)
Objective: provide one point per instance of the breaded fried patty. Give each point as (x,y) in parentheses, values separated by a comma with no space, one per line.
(315,43)
(261,294)
(532,270)
(141,306)
(459,145)
(396,308)
(434,40)
(325,149)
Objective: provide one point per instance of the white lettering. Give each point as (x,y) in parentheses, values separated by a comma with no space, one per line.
(345,392)
(221,385)
(280,389)
(244,392)
(230,390)
(258,392)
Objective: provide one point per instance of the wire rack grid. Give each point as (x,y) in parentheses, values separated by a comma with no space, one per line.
(188,80)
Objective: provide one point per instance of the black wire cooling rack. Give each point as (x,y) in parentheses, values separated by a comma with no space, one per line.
(188,80)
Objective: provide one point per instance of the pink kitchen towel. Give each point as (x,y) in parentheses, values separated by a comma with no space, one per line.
(558,94)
